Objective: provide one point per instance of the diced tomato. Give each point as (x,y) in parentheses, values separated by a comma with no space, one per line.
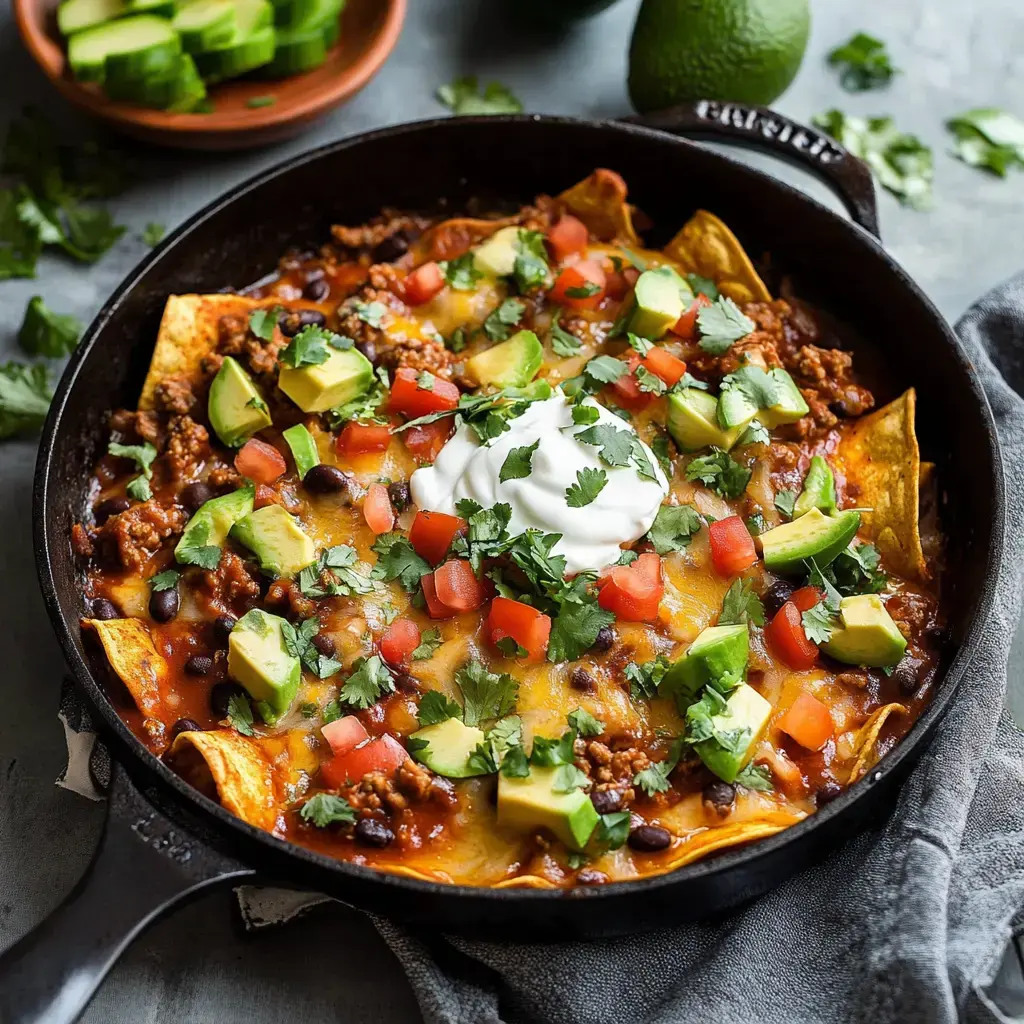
(732,547)
(619,282)
(788,639)
(457,587)
(806,598)
(259,461)
(435,608)
(344,733)
(633,592)
(664,365)
(377,510)
(400,639)
(383,754)
(432,534)
(527,626)
(411,399)
(686,325)
(423,284)
(808,721)
(567,235)
(627,390)
(360,438)
(426,441)
(580,286)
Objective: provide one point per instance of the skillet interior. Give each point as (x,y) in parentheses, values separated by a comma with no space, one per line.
(239,239)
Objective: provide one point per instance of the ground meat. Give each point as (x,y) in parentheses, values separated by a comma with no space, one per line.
(228,585)
(856,678)
(81,543)
(610,770)
(286,594)
(136,426)
(916,612)
(224,478)
(232,332)
(384,277)
(411,783)
(370,235)
(133,536)
(824,378)
(420,354)
(188,444)
(174,394)
(261,357)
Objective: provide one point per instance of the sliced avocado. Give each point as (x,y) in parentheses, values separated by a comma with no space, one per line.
(449,745)
(211,522)
(814,535)
(661,297)
(819,490)
(346,374)
(735,409)
(303,448)
(531,802)
(259,660)
(718,656)
(743,720)
(235,406)
(497,256)
(275,537)
(867,636)
(510,364)
(790,405)
(693,421)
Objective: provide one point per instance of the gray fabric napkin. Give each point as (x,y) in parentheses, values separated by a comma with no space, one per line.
(904,924)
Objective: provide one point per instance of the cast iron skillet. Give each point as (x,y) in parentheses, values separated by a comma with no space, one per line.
(163,841)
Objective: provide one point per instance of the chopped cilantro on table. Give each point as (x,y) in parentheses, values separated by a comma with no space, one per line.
(721,324)
(988,138)
(719,471)
(485,695)
(785,502)
(461,273)
(655,778)
(499,322)
(531,263)
(864,62)
(333,574)
(645,679)
(239,714)
(323,809)
(673,528)
(741,604)
(463,97)
(589,484)
(435,708)
(166,580)
(518,463)
(369,681)
(563,343)
(45,333)
(153,233)
(585,723)
(263,321)
(430,642)
(24,398)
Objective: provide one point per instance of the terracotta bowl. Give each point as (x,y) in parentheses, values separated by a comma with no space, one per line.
(369,31)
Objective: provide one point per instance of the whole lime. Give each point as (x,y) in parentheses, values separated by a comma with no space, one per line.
(747,51)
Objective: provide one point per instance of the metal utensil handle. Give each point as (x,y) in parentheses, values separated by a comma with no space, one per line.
(142,868)
(762,129)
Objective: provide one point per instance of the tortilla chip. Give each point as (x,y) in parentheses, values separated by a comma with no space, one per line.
(600,202)
(702,844)
(455,236)
(240,774)
(881,457)
(130,651)
(707,247)
(867,740)
(525,882)
(420,876)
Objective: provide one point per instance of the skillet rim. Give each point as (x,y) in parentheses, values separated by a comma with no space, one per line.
(250,842)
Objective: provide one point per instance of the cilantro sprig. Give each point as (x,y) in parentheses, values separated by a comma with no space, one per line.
(721,324)
(864,63)
(45,333)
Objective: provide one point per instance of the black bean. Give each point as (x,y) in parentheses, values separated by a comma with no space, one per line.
(606,801)
(293,322)
(605,639)
(391,248)
(195,495)
(104,609)
(164,604)
(199,665)
(719,794)
(368,349)
(399,494)
(582,680)
(407,683)
(111,507)
(371,832)
(324,479)
(907,674)
(649,838)
(325,645)
(222,626)
(221,694)
(827,793)
(185,725)
(776,596)
(316,291)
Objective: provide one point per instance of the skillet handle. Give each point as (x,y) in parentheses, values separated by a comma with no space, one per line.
(144,866)
(760,128)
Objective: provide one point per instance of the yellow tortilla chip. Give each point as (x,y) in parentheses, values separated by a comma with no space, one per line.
(525,882)
(702,844)
(880,456)
(241,776)
(707,247)
(599,200)
(130,651)
(867,740)
(420,876)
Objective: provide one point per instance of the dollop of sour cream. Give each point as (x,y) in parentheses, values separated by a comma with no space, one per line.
(622,512)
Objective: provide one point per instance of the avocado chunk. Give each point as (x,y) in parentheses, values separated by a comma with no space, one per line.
(819,490)
(275,537)
(735,732)
(530,803)
(497,256)
(259,660)
(344,375)
(718,656)
(449,745)
(235,407)
(867,635)
(789,406)
(303,448)
(693,421)
(510,364)
(661,297)
(735,409)
(211,522)
(814,535)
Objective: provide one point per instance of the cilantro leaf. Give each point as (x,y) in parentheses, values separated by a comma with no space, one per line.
(435,707)
(639,345)
(785,501)
(515,764)
(498,323)
(568,778)
(307,348)
(864,63)
(263,321)
(741,604)
(720,324)
(662,451)
(551,753)
(239,714)
(563,343)
(655,778)
(760,389)
(604,370)
(369,681)
(511,648)
(298,642)
(575,629)
(430,641)
(323,809)
(398,560)
(589,484)
(755,433)
(612,830)
(702,286)
(363,407)
(650,383)
(674,527)
(531,263)
(20,244)
(644,679)
(819,622)
(719,471)
(153,233)
(989,138)
(371,313)
(584,415)
(333,574)
(585,723)
(139,489)
(615,444)
(141,454)
(857,570)
(166,580)
(485,695)
(463,97)
(45,333)
(583,291)
(461,273)
(756,777)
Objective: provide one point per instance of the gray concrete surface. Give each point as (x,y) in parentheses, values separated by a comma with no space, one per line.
(197,966)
